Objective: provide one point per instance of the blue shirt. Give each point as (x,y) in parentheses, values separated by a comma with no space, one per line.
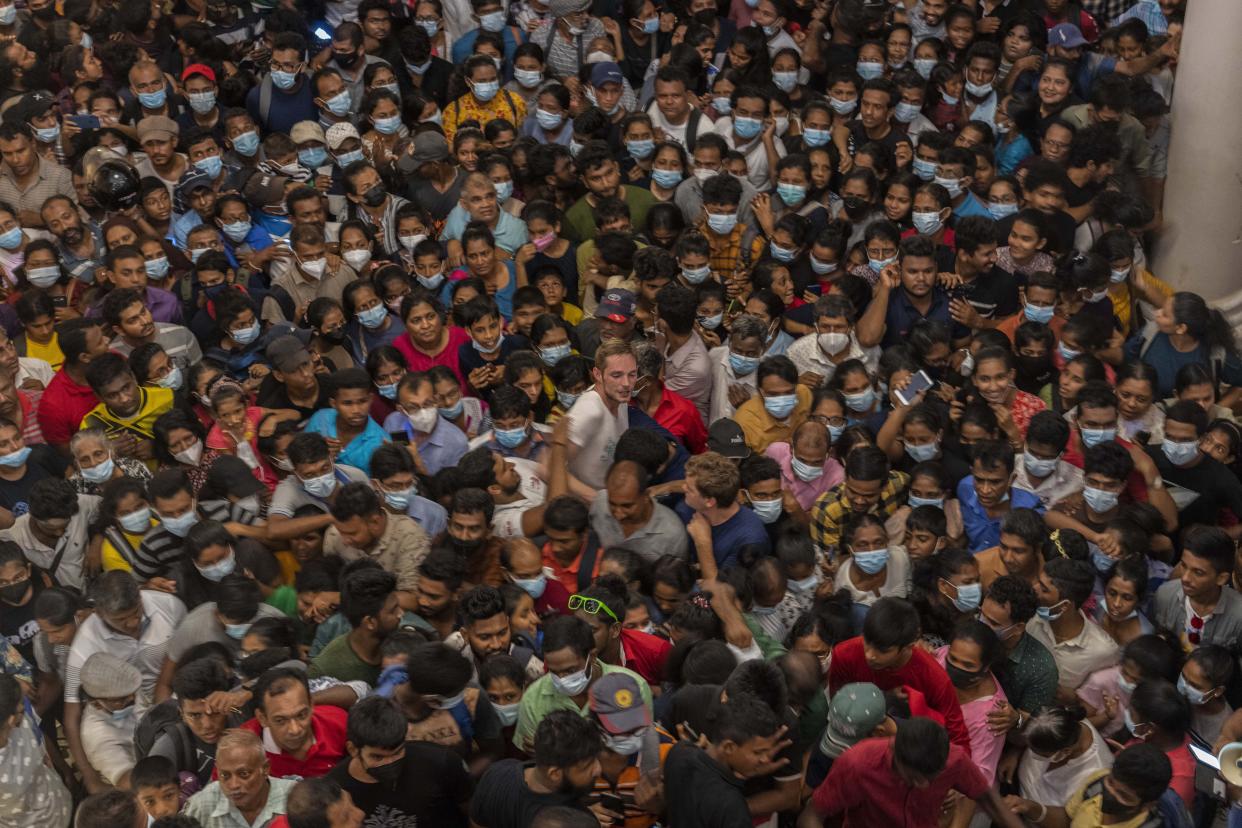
(739,541)
(359,450)
(982,531)
(1167,361)
(428,514)
(464,47)
(285,108)
(510,232)
(1012,153)
(902,314)
(442,448)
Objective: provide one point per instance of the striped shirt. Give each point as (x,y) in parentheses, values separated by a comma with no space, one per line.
(160,550)
(832,508)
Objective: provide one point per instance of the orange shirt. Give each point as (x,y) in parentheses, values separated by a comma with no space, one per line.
(568,575)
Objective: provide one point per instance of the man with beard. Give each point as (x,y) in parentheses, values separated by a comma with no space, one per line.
(23,71)
(469,534)
(369,601)
(566,748)
(80,247)
(485,633)
(439,587)
(27,180)
(362,528)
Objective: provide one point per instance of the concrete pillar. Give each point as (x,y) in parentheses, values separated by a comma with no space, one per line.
(1200,248)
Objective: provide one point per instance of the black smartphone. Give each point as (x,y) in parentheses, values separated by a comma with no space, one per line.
(615,804)
(85,121)
(59,302)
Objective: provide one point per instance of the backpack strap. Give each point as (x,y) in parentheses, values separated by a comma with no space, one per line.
(692,126)
(265,99)
(587,564)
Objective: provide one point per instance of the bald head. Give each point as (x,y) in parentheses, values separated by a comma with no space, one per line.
(810,437)
(520,555)
(627,476)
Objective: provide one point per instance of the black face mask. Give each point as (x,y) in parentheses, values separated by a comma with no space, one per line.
(464,546)
(375,196)
(1109,804)
(961,678)
(347,60)
(1033,367)
(13,593)
(386,774)
(855,207)
(48,12)
(707,18)
(335,337)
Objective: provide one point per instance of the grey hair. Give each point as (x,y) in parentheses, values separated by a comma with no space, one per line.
(1054,729)
(650,360)
(80,437)
(115,591)
(748,326)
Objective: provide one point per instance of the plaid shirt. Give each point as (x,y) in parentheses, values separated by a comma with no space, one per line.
(726,257)
(1146,10)
(832,508)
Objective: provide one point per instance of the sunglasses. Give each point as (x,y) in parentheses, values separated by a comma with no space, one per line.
(591,606)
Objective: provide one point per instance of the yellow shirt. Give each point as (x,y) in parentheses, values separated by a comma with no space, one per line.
(761,429)
(1123,298)
(289,566)
(155,401)
(505,105)
(49,353)
(112,557)
(571,313)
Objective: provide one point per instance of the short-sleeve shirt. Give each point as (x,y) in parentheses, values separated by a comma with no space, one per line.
(507,518)
(433,785)
(203,625)
(399,550)
(291,496)
(70,549)
(542,697)
(595,431)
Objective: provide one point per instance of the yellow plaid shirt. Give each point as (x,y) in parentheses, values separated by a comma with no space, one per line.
(505,105)
(726,252)
(832,508)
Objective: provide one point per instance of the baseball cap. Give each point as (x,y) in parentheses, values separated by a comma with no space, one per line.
(856,710)
(304,131)
(287,353)
(192,180)
(31,105)
(606,72)
(1067,36)
(104,676)
(618,703)
(263,190)
(429,147)
(725,437)
(617,305)
(338,134)
(198,69)
(160,127)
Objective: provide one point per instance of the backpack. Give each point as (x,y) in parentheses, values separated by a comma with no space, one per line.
(165,717)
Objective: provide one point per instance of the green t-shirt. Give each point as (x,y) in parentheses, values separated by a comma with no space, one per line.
(580,223)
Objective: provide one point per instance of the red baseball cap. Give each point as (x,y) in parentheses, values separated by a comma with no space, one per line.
(198,69)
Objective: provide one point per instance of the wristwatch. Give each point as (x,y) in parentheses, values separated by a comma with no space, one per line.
(1157,484)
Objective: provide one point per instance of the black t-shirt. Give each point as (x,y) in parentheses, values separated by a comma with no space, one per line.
(433,785)
(1216,486)
(17,623)
(1076,196)
(994,294)
(698,791)
(44,462)
(503,799)
(274,394)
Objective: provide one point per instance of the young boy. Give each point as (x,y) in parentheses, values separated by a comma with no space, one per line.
(348,422)
(551,283)
(157,785)
(703,786)
(1197,607)
(926,532)
(429,270)
(502,678)
(571,377)
(482,359)
(528,304)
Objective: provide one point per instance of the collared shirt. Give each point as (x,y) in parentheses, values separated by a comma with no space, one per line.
(808,357)
(831,510)
(1116,13)
(399,550)
(291,495)
(687,371)
(510,232)
(682,418)
(902,315)
(50,179)
(741,248)
(662,534)
(1223,626)
(1092,649)
(542,698)
(722,377)
(161,615)
(61,408)
(1028,675)
(327,748)
(805,492)
(1135,149)
(505,106)
(357,452)
(213,809)
(180,345)
(302,291)
(1065,480)
(761,429)
(68,573)
(443,447)
(983,530)
(755,152)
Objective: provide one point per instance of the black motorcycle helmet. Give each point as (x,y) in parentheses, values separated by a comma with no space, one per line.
(114,186)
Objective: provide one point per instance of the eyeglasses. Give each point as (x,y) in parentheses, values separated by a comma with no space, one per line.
(591,606)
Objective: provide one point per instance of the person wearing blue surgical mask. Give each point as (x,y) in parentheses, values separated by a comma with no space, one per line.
(873,569)
(383,108)
(1201,484)
(1125,592)
(780,407)
(668,169)
(747,131)
(150,88)
(807,469)
(333,97)
(1040,469)
(954,593)
(734,364)
(1207,672)
(485,101)
(548,120)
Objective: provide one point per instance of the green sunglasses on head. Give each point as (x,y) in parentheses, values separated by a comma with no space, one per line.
(590,605)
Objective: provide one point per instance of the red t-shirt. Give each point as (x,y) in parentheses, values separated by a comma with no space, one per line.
(418,361)
(328,725)
(645,654)
(863,788)
(683,420)
(62,407)
(554,601)
(1183,780)
(921,672)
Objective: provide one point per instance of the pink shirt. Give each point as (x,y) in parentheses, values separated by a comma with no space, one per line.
(985,746)
(1092,692)
(805,493)
(418,361)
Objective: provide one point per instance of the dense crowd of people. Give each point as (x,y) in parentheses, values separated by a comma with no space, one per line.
(561,413)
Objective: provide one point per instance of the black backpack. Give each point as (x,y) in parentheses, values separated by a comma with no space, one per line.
(165,717)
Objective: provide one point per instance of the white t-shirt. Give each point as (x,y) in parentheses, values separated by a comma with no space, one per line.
(507,519)
(757,172)
(1051,786)
(594,430)
(677,134)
